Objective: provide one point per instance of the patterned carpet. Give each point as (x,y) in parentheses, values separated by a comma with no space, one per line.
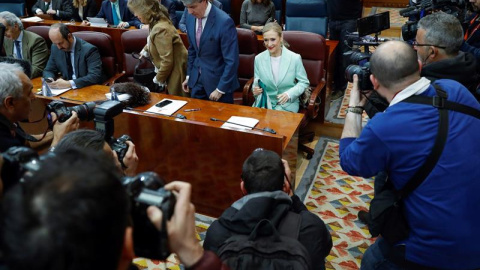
(344,105)
(328,192)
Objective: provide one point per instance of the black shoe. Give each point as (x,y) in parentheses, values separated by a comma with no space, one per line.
(364,216)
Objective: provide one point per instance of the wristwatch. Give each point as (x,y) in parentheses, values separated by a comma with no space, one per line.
(356,110)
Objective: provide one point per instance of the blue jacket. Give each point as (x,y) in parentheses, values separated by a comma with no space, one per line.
(217,56)
(442,211)
(182,25)
(125,14)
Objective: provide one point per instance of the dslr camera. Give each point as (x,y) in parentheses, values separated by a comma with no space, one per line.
(358,63)
(84,111)
(146,189)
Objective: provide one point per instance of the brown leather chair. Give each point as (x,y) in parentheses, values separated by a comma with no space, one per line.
(106,48)
(248,49)
(133,42)
(312,48)
(41,30)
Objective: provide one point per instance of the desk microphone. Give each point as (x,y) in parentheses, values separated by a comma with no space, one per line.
(269,130)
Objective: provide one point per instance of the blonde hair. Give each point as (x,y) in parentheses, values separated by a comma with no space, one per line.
(151,10)
(78,3)
(275,27)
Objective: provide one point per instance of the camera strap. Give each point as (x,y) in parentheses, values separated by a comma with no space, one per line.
(443,105)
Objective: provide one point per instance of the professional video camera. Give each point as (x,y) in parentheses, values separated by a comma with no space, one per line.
(101,114)
(456,8)
(366,26)
(358,64)
(146,189)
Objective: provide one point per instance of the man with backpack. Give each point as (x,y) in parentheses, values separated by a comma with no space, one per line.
(267,210)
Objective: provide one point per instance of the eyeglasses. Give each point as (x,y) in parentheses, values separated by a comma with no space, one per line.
(415,43)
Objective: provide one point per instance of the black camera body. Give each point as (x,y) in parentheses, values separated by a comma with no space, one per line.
(358,63)
(146,189)
(120,146)
(84,111)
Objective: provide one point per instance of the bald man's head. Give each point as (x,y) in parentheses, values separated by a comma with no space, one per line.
(394,62)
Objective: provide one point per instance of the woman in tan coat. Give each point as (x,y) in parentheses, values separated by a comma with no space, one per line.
(164,46)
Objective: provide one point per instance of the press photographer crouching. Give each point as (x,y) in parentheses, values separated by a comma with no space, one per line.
(75,213)
(16,96)
(431,188)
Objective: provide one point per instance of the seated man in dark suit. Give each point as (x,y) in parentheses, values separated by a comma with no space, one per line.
(77,61)
(268,195)
(60,9)
(122,18)
(23,44)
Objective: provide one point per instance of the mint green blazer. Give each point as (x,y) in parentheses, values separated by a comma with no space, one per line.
(292,78)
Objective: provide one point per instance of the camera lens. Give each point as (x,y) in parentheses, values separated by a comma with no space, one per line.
(352,69)
(359,58)
(84,111)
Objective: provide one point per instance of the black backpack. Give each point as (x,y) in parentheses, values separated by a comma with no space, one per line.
(278,250)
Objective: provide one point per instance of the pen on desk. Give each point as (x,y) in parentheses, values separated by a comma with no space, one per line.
(191,110)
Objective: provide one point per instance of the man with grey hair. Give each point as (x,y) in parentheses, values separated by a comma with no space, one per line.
(212,54)
(16,96)
(23,44)
(438,41)
(398,141)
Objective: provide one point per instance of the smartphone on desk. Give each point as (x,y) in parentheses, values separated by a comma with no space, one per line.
(163,103)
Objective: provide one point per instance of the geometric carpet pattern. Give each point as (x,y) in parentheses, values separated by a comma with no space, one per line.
(336,198)
(328,192)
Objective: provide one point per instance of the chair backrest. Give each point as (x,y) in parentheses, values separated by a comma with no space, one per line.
(132,42)
(248,49)
(106,48)
(312,48)
(307,15)
(179,9)
(41,30)
(17,7)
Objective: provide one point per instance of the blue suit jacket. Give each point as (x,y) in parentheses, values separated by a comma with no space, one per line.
(217,56)
(182,25)
(88,64)
(125,13)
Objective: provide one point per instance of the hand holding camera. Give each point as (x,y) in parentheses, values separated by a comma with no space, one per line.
(181,227)
(61,128)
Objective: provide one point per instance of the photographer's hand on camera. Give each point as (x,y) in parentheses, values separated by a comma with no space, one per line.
(130,160)
(181,227)
(357,97)
(60,129)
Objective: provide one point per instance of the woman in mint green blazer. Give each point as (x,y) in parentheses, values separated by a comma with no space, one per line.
(280,71)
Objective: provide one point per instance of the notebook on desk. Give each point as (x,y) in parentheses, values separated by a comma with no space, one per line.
(97,22)
(167,106)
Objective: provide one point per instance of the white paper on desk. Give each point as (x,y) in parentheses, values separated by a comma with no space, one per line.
(98,22)
(168,109)
(244,122)
(32,19)
(56,92)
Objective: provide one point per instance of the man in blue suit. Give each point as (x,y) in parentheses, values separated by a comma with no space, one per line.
(182,25)
(76,60)
(212,54)
(123,18)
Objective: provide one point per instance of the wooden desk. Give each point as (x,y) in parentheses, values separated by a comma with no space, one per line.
(115,33)
(197,150)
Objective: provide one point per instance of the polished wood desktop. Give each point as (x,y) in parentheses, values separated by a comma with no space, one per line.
(196,149)
(115,34)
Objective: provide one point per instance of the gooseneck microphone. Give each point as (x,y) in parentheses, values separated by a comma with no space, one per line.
(269,130)
(178,115)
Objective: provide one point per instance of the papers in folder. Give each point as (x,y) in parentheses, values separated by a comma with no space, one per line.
(168,109)
(33,19)
(97,22)
(237,122)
